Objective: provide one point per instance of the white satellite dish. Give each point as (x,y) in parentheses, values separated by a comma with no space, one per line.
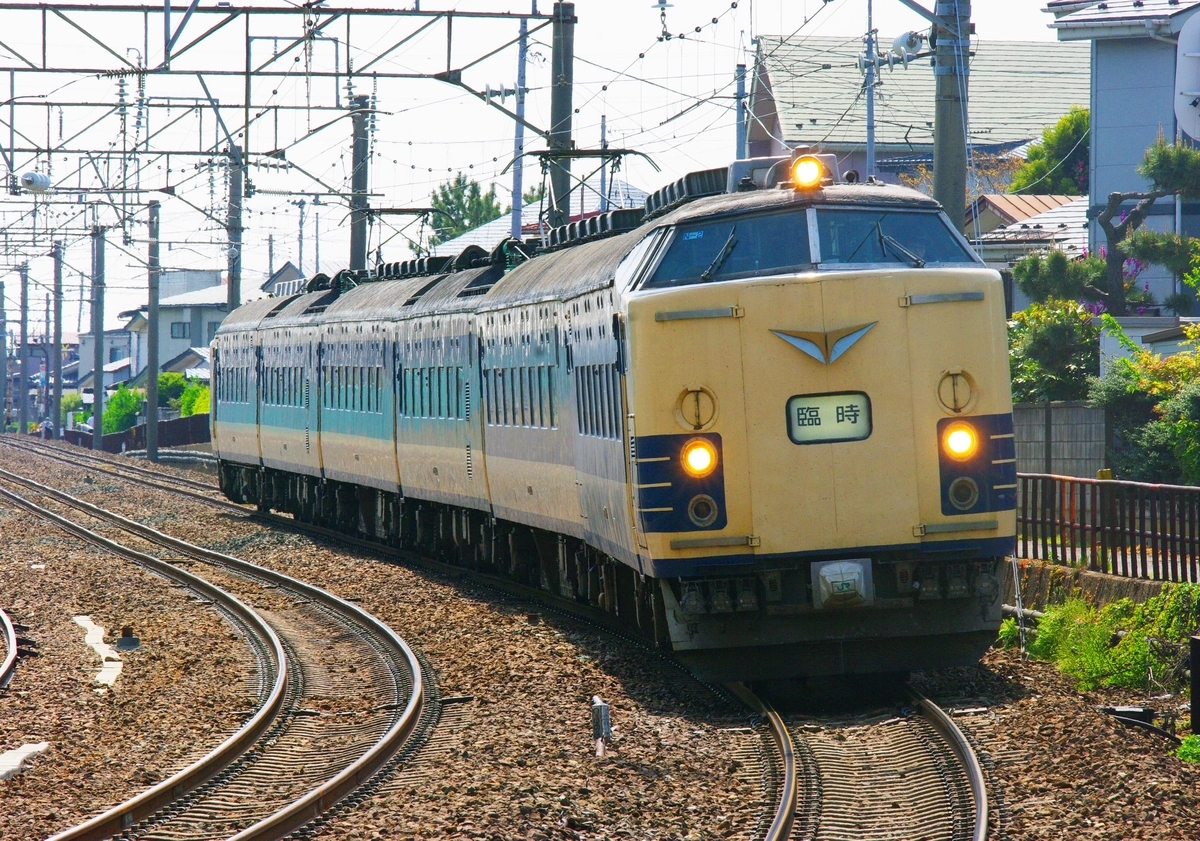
(35,182)
(1187,78)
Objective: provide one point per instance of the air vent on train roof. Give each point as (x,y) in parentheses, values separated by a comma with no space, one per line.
(411,268)
(594,227)
(694,185)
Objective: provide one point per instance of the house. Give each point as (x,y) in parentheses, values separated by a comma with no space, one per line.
(185,321)
(1002,210)
(1132,100)
(194,363)
(284,281)
(118,344)
(1064,228)
(115,373)
(807,91)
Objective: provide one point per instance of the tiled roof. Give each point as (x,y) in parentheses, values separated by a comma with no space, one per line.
(1017,88)
(1019,207)
(1125,11)
(1064,227)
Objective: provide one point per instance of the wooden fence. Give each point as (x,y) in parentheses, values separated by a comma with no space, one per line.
(1131,529)
(171,433)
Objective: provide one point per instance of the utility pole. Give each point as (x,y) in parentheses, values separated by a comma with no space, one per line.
(152,338)
(518,188)
(56,365)
(317,243)
(358,184)
(300,251)
(562,77)
(23,356)
(870,84)
(603,166)
(46,363)
(741,112)
(98,335)
(270,254)
(234,227)
(950,115)
(4,368)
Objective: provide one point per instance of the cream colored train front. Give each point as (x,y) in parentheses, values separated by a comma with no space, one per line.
(770,426)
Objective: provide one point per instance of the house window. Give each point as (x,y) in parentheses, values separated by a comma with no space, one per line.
(180,329)
(212,330)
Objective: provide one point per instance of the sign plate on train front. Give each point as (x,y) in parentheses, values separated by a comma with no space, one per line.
(829,418)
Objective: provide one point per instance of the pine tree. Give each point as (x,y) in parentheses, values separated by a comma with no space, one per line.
(461,205)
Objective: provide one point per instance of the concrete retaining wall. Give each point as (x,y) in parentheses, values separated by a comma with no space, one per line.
(1045,584)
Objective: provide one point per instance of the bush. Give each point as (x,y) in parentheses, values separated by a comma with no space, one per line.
(1111,646)
(194,400)
(170,388)
(1053,349)
(1189,750)
(122,410)
(71,402)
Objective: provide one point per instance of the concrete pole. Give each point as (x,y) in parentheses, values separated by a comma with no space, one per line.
(98,335)
(234,227)
(46,400)
(950,114)
(270,254)
(518,182)
(358,183)
(562,78)
(22,394)
(152,338)
(741,112)
(4,366)
(56,364)
(870,84)
(300,252)
(603,166)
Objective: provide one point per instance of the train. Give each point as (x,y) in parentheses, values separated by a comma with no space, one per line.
(765,422)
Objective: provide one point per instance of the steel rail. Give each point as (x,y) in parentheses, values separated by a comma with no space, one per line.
(321,799)
(150,801)
(86,455)
(10,650)
(966,755)
(785,813)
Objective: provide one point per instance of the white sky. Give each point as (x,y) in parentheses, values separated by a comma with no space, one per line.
(425,131)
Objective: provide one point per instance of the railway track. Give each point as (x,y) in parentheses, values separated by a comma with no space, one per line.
(294,761)
(880,777)
(887,777)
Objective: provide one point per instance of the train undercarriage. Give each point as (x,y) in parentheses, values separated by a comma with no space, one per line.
(754,624)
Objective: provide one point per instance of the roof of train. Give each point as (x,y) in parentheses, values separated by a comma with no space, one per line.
(557,275)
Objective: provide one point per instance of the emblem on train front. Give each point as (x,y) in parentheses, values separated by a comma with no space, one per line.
(826,348)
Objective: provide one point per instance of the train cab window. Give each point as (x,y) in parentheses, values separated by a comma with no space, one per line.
(912,238)
(729,248)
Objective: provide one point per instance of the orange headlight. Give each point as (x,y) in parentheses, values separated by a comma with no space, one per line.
(807,172)
(960,441)
(699,457)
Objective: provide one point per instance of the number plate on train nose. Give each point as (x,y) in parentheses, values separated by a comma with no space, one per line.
(829,418)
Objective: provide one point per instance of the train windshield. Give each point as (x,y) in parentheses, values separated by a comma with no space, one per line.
(725,249)
(911,238)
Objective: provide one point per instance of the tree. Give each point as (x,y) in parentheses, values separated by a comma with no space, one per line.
(461,205)
(534,194)
(121,411)
(1053,275)
(170,387)
(990,173)
(1053,348)
(1058,165)
(71,402)
(1172,170)
(194,400)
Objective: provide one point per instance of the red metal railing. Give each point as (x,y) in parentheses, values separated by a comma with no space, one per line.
(1131,529)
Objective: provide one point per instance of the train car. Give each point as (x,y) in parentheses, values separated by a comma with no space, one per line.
(767,422)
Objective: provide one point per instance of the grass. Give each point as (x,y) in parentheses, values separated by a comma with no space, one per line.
(1111,646)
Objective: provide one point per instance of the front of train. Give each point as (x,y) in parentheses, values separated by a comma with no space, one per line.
(823,460)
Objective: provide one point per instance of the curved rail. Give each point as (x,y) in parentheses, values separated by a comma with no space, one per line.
(10,650)
(318,801)
(966,755)
(785,813)
(155,798)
